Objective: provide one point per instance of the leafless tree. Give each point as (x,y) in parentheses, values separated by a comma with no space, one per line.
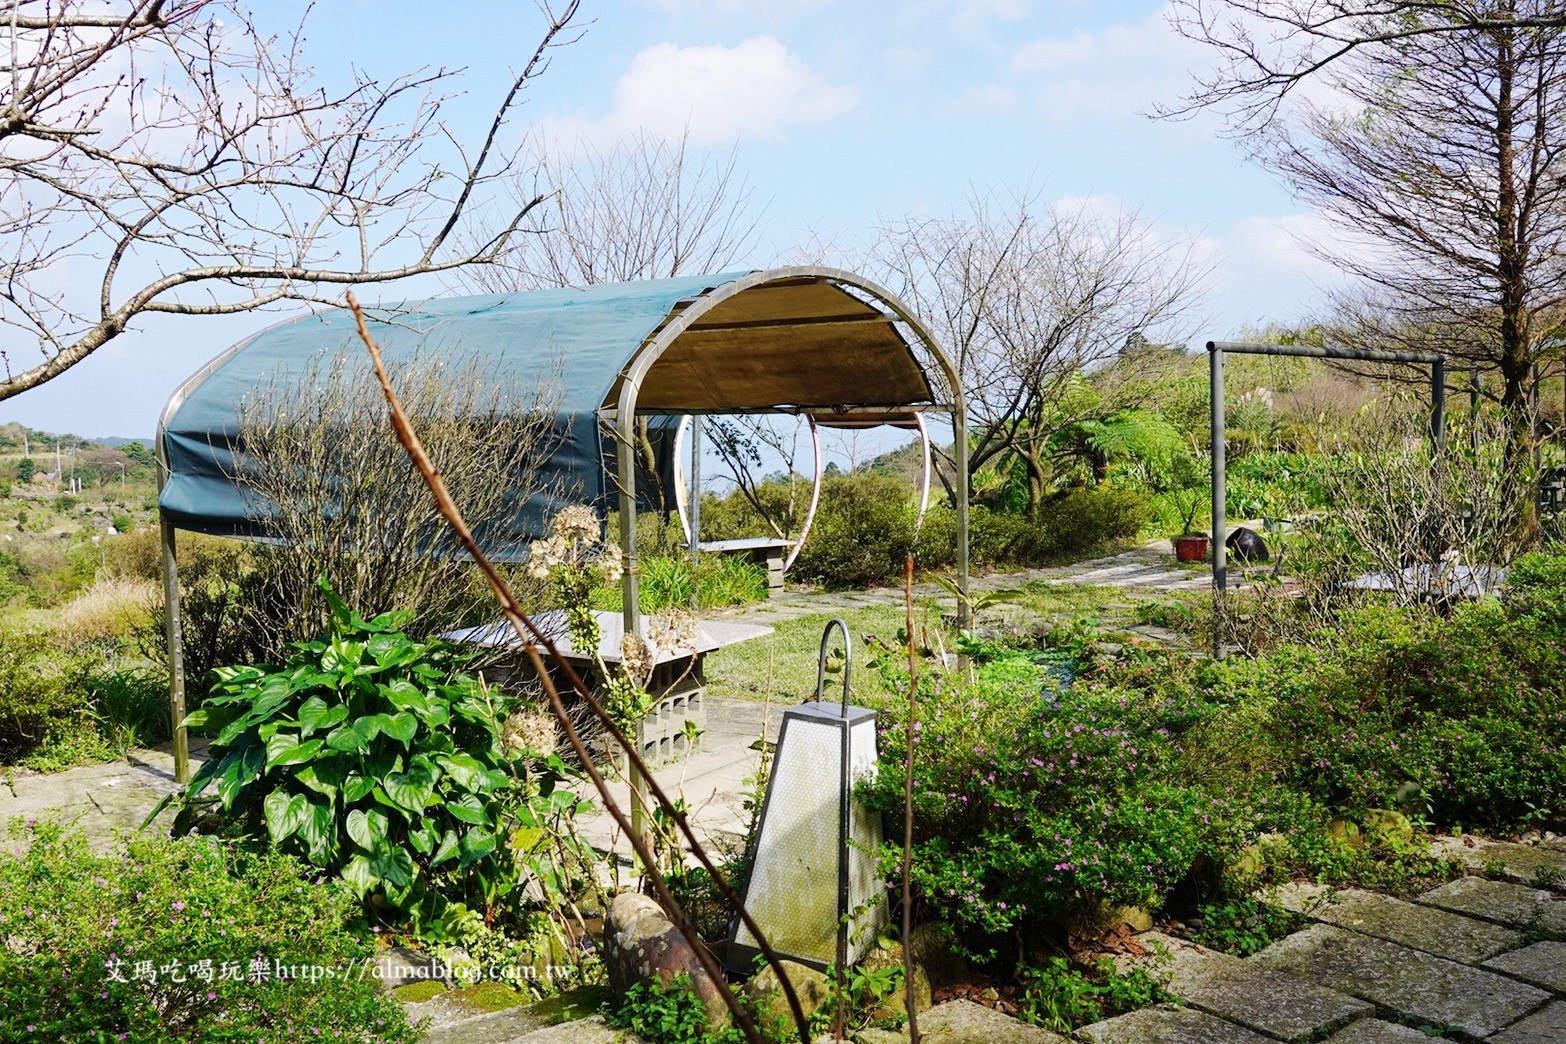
(173,157)
(1031,299)
(1436,145)
(1424,523)
(1268,48)
(336,492)
(646,209)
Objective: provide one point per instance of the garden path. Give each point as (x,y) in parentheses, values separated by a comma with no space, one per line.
(1473,959)
(1150,567)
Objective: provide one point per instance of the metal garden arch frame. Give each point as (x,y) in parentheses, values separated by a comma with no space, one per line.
(1216,350)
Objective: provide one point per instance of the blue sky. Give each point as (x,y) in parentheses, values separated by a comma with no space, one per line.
(841,114)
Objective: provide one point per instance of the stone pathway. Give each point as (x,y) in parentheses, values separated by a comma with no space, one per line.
(102,799)
(1150,568)
(1474,959)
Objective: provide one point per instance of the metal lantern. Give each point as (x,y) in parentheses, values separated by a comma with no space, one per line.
(813,889)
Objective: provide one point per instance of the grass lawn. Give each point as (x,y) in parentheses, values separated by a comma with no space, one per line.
(782,666)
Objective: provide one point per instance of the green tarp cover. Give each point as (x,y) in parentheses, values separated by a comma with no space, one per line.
(579,340)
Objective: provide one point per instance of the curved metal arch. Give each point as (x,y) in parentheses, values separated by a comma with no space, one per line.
(649,354)
(924,474)
(682,497)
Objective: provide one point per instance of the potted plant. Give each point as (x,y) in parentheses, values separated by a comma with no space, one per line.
(1190,545)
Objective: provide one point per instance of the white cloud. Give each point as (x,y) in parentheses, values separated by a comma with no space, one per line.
(1266,273)
(755,89)
(973,17)
(1122,71)
(985,100)
(756,10)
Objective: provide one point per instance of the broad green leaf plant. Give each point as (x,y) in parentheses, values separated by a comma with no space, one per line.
(377,758)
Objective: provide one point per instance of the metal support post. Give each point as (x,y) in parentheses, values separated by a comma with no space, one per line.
(173,633)
(1220,523)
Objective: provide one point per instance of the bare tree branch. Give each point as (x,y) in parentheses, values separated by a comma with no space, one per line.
(200,167)
(1030,299)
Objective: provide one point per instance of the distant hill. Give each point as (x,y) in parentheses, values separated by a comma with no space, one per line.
(14,436)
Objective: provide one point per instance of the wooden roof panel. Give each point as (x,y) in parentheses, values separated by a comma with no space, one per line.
(811,365)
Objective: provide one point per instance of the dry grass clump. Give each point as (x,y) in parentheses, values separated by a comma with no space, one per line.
(113,606)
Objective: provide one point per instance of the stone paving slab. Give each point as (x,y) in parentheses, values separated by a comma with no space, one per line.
(1164,1025)
(1545,864)
(1375,1031)
(1504,902)
(1269,1002)
(1414,987)
(1543,964)
(1440,932)
(103,799)
(962,1022)
(585,1031)
(1544,1027)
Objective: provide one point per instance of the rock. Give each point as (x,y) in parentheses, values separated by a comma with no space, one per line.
(1374,1031)
(1531,909)
(964,1022)
(1542,865)
(811,987)
(1168,1026)
(888,953)
(1246,545)
(1542,1027)
(1269,1002)
(641,944)
(933,948)
(1345,832)
(1253,860)
(1389,827)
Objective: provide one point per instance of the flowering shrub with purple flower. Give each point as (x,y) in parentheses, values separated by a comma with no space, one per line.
(1034,809)
(160,939)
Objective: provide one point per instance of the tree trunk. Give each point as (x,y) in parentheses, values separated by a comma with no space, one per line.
(1511,262)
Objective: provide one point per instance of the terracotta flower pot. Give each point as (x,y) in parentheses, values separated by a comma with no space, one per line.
(1191,548)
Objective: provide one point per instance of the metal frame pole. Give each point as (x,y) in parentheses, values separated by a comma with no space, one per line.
(695,547)
(1219,522)
(1438,404)
(174,636)
(960,453)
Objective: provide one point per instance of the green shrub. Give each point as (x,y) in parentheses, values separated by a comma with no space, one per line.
(1243,926)
(1536,588)
(179,940)
(1466,712)
(375,758)
(1034,807)
(41,700)
(864,528)
(1084,520)
(1060,996)
(661,1014)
